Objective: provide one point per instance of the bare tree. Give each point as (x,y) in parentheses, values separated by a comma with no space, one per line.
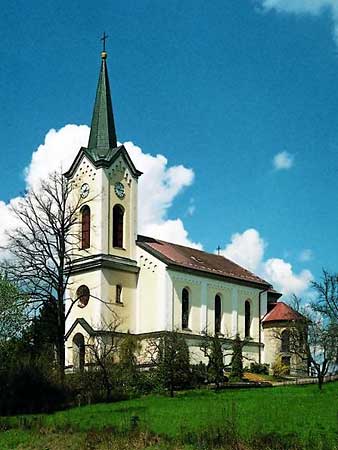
(313,340)
(327,295)
(42,249)
(103,351)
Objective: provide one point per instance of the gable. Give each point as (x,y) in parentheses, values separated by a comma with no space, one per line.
(98,161)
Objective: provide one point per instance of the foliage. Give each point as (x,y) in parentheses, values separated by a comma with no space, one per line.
(279,369)
(212,348)
(236,373)
(263,369)
(13,316)
(90,386)
(129,348)
(199,374)
(28,388)
(170,355)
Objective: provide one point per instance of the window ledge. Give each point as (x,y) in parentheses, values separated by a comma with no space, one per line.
(119,304)
(119,248)
(187,330)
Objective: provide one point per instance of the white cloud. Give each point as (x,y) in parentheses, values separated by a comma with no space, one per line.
(8,221)
(305,255)
(312,7)
(172,231)
(280,273)
(247,249)
(158,186)
(57,152)
(283,161)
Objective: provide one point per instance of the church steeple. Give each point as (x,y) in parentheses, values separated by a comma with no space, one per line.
(102,136)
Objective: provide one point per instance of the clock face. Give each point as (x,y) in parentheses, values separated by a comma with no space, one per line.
(119,190)
(84,191)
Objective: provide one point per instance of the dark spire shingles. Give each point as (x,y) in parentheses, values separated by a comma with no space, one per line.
(102,136)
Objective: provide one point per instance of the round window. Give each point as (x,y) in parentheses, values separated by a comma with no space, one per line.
(82,295)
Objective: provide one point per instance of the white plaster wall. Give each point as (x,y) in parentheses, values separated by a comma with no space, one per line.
(154,293)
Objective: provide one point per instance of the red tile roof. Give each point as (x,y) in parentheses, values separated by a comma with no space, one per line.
(282,312)
(193,259)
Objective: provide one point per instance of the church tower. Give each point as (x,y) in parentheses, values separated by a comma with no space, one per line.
(103,278)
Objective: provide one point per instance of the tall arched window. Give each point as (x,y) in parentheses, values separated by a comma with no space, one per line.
(118,213)
(247,324)
(118,296)
(185,308)
(82,295)
(218,314)
(78,352)
(85,227)
(285,344)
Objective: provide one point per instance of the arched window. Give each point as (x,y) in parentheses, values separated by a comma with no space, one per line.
(78,352)
(247,324)
(118,213)
(285,341)
(82,295)
(118,297)
(218,314)
(185,308)
(85,227)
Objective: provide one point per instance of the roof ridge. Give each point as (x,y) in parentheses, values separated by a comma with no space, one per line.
(202,252)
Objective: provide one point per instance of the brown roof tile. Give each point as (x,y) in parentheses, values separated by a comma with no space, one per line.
(193,259)
(282,312)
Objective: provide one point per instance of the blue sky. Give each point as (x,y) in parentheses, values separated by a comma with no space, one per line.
(219,87)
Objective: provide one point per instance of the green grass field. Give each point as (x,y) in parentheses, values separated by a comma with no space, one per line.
(301,415)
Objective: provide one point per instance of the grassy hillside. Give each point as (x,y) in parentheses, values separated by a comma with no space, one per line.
(293,417)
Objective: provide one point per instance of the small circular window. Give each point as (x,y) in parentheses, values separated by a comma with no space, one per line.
(82,295)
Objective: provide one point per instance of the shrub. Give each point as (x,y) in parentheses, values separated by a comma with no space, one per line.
(236,373)
(259,368)
(199,375)
(278,368)
(30,389)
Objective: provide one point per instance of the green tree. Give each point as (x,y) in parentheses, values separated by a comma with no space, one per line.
(170,354)
(129,348)
(13,314)
(236,373)
(213,350)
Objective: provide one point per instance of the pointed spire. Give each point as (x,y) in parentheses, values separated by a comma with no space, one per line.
(102,132)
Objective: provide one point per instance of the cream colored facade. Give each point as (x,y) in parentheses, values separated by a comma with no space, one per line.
(130,287)
(151,299)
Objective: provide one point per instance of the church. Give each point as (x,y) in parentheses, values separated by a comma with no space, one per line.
(150,285)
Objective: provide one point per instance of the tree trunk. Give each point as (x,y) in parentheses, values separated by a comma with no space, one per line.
(60,350)
(320,381)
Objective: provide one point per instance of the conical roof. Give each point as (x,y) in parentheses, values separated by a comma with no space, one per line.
(102,136)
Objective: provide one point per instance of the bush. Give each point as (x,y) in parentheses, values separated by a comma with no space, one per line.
(262,369)
(279,369)
(89,387)
(30,389)
(199,375)
(236,373)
